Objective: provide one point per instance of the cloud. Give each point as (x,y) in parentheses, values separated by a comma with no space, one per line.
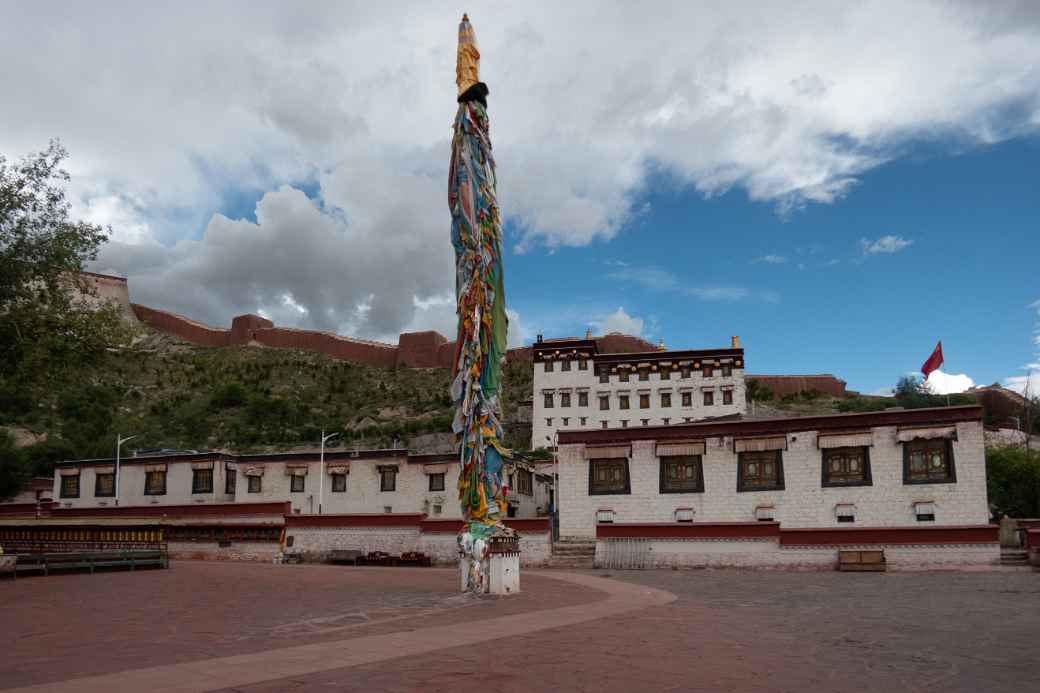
(202,105)
(885,244)
(770,260)
(619,321)
(1029,384)
(654,278)
(940,383)
(659,279)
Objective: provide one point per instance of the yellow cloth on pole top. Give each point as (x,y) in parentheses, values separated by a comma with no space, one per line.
(467,64)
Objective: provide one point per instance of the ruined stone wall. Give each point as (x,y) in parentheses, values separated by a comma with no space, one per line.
(782,385)
(182,327)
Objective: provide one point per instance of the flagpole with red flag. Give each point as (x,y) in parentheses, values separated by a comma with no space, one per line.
(933,363)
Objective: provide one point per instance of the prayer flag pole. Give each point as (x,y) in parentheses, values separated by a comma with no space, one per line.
(480,346)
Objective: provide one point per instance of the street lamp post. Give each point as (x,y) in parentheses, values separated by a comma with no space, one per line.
(321,468)
(119,443)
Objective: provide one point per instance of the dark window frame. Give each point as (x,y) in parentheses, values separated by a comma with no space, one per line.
(148,492)
(644,401)
(259,483)
(623,464)
(727,370)
(339,483)
(604,377)
(947,444)
(682,460)
(97,487)
(565,365)
(778,460)
(195,486)
(547,400)
(666,400)
(436,486)
(727,397)
(565,400)
(686,400)
(666,373)
(293,483)
(548,366)
(583,364)
(623,402)
(825,480)
(525,482)
(387,473)
(708,372)
(644,375)
(230,481)
(583,399)
(604,402)
(709,398)
(622,376)
(64,492)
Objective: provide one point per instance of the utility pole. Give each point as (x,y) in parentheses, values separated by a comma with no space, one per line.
(119,443)
(321,468)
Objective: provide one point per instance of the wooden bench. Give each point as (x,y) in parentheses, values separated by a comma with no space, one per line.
(869,560)
(342,556)
(90,560)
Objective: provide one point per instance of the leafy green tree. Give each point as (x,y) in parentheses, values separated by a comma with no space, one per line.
(1013,481)
(14,469)
(49,325)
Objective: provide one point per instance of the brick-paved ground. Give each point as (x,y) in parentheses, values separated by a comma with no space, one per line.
(756,631)
(728,630)
(72,625)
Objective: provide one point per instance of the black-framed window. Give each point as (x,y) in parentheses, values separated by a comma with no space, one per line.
(583,364)
(202,481)
(623,376)
(624,423)
(928,462)
(760,471)
(604,377)
(69,486)
(105,485)
(339,483)
(255,484)
(727,370)
(707,371)
(727,396)
(565,365)
(548,400)
(622,401)
(666,373)
(846,466)
(685,372)
(644,374)
(645,422)
(437,482)
(565,399)
(583,399)
(666,399)
(566,421)
(388,478)
(709,398)
(525,482)
(609,476)
(682,474)
(604,402)
(230,481)
(687,399)
(155,483)
(603,424)
(548,366)
(644,401)
(297,483)
(584,420)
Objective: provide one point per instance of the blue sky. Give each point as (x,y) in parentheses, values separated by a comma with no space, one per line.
(967,277)
(687,171)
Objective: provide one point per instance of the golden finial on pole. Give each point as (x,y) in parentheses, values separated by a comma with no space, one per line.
(467,64)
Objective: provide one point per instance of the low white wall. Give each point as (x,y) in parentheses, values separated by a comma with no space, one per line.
(767,553)
(535,549)
(315,543)
(238,551)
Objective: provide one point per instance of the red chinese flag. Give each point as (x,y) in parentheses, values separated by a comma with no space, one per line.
(934,361)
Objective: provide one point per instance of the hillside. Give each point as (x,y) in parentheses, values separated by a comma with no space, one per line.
(173,394)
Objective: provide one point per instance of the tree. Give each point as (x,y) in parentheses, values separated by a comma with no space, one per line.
(50,326)
(14,469)
(1013,481)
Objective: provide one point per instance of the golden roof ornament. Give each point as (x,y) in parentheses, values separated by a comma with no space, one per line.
(467,63)
(660,345)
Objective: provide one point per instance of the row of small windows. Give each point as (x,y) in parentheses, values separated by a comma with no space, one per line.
(624,401)
(202,482)
(643,374)
(623,423)
(924,461)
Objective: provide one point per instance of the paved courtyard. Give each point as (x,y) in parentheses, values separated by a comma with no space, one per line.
(258,628)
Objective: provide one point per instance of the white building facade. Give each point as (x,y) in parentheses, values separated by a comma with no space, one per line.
(576,387)
(781,492)
(357,482)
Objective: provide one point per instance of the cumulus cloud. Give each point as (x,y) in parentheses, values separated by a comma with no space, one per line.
(1029,384)
(885,244)
(619,321)
(175,112)
(770,260)
(939,383)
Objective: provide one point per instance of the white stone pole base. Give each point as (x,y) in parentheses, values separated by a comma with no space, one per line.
(497,574)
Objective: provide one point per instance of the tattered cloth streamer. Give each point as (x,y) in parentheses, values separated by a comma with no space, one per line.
(476,233)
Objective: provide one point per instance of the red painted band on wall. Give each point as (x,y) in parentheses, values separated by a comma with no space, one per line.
(538,525)
(707,530)
(355,520)
(208,510)
(969,534)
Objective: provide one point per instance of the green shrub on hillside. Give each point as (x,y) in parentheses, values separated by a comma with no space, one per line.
(1013,481)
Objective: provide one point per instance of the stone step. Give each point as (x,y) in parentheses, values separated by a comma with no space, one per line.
(571,563)
(574,550)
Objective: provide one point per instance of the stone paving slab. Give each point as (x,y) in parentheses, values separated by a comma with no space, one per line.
(241,670)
